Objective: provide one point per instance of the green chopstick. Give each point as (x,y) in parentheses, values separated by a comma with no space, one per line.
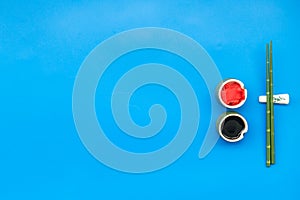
(268,109)
(270,141)
(272,108)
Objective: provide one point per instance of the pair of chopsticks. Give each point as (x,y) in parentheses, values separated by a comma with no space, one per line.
(270,146)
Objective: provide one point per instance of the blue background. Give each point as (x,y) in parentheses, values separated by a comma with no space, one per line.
(42,45)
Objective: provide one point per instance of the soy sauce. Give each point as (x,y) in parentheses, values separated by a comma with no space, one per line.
(232,127)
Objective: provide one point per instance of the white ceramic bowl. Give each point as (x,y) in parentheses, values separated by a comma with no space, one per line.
(222,85)
(237,121)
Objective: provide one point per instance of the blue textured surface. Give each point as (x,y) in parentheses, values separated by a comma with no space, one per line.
(42,45)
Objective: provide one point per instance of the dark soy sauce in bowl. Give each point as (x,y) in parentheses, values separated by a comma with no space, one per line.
(232,127)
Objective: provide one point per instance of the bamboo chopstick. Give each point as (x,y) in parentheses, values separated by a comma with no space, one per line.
(272,107)
(268,111)
(270,141)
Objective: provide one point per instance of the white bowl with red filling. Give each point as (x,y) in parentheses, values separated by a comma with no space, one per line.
(232,93)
